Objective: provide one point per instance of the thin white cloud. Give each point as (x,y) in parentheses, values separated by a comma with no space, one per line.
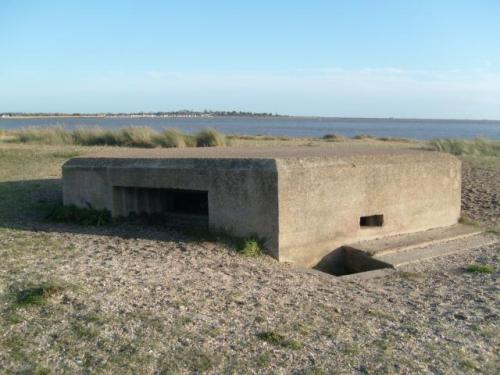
(387,91)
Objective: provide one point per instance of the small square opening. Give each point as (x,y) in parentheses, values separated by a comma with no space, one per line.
(371,221)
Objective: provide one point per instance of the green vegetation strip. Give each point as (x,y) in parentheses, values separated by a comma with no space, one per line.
(469,147)
(138,136)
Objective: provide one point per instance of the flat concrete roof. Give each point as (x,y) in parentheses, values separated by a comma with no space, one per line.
(283,152)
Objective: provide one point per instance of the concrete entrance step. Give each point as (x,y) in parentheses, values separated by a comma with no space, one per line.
(436,249)
(396,244)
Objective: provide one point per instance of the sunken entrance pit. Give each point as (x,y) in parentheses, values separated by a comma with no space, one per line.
(304,202)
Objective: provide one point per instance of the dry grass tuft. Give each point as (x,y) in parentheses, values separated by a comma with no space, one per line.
(173,138)
(210,138)
(52,135)
(96,136)
(140,136)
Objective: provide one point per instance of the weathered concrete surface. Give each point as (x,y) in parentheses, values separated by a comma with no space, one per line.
(305,201)
(397,251)
(396,244)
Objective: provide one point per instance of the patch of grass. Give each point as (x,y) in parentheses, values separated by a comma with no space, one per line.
(351,349)
(83,331)
(314,371)
(247,246)
(34,294)
(263,359)
(78,215)
(333,137)
(363,136)
(278,339)
(494,230)
(459,147)
(383,139)
(470,364)
(480,268)
(250,247)
(259,319)
(393,139)
(468,221)
(380,314)
(210,138)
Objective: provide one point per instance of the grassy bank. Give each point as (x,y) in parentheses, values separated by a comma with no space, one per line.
(138,136)
(466,147)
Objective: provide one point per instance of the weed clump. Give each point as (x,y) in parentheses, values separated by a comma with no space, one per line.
(250,247)
(278,339)
(78,215)
(38,294)
(480,268)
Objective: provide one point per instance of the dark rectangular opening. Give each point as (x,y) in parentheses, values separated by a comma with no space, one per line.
(371,221)
(348,260)
(171,207)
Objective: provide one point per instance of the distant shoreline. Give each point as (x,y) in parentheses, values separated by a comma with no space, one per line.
(329,118)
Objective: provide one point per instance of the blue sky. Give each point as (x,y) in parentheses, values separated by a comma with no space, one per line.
(411,58)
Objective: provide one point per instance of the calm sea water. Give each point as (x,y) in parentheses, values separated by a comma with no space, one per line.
(287,126)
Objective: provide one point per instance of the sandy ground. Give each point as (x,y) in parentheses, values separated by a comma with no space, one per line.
(130,299)
(481,194)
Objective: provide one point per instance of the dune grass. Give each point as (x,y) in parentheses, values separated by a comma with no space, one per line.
(210,138)
(467,147)
(132,136)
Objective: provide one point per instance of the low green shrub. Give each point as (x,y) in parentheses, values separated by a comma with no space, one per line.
(78,215)
(480,268)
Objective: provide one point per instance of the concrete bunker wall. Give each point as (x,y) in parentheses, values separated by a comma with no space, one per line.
(242,196)
(324,205)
